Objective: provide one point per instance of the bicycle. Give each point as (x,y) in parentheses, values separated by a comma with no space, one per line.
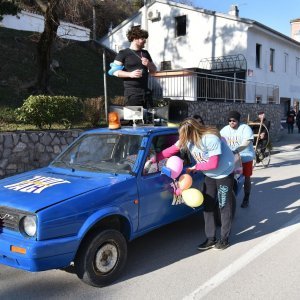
(263,156)
(262,150)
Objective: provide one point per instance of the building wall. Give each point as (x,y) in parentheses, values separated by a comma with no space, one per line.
(184,51)
(33,22)
(284,74)
(211,34)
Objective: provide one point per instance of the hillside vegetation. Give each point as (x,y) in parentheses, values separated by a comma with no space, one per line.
(77,69)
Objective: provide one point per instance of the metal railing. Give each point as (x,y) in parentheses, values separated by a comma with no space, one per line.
(196,86)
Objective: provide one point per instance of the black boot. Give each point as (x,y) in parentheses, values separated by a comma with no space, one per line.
(245,202)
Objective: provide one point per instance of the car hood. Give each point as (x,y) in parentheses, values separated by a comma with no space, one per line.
(35,190)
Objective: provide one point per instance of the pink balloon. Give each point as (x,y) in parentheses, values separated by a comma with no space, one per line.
(175,164)
(178,192)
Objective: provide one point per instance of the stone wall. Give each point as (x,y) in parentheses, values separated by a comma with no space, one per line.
(27,150)
(214,113)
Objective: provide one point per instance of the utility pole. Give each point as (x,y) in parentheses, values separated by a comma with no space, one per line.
(95,4)
(146,19)
(94,22)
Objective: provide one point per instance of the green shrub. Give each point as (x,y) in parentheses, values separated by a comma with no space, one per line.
(94,110)
(7,115)
(44,110)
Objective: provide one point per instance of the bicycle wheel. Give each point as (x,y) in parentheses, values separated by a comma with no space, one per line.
(267,157)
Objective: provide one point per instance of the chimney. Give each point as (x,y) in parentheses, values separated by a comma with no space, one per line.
(234,11)
(295,29)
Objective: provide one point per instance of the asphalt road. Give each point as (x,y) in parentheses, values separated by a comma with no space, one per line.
(261,263)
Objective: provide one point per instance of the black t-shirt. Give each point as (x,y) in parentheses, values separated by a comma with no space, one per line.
(131,60)
(264,129)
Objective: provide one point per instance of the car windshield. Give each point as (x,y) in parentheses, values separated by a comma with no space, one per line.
(114,153)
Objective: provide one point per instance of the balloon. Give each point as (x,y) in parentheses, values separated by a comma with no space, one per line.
(192,197)
(178,192)
(185,181)
(175,164)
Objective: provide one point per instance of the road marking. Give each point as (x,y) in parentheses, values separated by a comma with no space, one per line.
(247,229)
(273,239)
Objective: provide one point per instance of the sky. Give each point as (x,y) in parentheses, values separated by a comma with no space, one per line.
(275,14)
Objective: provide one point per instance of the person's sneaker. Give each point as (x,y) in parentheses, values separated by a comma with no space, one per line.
(221,244)
(245,203)
(209,243)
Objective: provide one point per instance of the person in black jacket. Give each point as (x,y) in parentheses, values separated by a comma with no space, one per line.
(290,120)
(263,140)
(298,121)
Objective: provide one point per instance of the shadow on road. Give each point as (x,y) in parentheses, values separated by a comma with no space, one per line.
(270,205)
(270,209)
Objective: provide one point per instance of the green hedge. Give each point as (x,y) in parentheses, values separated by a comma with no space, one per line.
(8,8)
(43,111)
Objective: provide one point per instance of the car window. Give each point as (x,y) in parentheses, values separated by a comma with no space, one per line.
(102,153)
(158,144)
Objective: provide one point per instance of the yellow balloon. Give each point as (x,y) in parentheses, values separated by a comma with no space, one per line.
(192,197)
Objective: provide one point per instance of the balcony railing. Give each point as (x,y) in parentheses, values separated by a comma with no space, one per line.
(196,86)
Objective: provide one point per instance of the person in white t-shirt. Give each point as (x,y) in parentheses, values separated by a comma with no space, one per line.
(240,138)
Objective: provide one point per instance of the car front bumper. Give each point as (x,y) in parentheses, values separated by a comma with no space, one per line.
(40,255)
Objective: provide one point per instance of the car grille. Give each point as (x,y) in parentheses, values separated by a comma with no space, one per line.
(9,218)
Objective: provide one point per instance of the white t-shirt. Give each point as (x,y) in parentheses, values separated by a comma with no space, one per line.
(236,137)
(212,145)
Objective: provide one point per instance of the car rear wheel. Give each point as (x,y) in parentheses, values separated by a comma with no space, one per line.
(101,259)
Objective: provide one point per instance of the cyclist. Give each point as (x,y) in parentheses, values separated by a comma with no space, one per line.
(263,137)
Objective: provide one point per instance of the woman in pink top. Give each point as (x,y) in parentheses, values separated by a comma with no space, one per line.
(214,158)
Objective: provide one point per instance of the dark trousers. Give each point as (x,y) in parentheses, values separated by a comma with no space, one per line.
(262,144)
(221,189)
(290,127)
(138,97)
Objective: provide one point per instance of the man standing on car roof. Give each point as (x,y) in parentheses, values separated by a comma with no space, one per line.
(133,65)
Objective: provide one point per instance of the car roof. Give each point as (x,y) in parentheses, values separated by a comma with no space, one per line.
(138,130)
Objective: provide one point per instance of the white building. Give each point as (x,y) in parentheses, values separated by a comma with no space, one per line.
(28,21)
(182,36)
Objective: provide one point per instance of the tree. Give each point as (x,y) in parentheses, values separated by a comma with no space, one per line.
(78,12)
(8,8)
(44,48)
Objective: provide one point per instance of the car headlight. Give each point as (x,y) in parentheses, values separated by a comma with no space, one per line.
(28,225)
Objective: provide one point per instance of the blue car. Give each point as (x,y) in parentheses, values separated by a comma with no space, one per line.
(83,208)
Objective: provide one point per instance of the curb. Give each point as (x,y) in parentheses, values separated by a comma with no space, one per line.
(284,149)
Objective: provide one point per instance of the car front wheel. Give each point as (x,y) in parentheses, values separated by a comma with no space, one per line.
(101,258)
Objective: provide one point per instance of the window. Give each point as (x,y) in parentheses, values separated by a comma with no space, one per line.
(297,66)
(271,100)
(272,57)
(158,144)
(258,55)
(258,99)
(286,62)
(166,65)
(180,23)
